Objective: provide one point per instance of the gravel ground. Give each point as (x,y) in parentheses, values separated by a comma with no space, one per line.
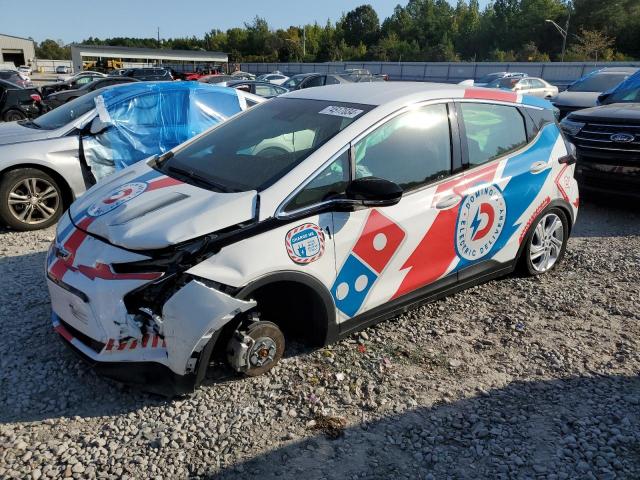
(518,378)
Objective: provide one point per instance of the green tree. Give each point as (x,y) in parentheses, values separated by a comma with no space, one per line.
(592,45)
(361,25)
(53,50)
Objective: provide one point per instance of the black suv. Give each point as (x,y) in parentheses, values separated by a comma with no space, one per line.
(149,74)
(17,103)
(607,140)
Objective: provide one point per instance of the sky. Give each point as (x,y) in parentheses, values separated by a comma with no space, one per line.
(75,20)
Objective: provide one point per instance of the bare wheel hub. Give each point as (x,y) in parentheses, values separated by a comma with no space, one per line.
(255,347)
(262,352)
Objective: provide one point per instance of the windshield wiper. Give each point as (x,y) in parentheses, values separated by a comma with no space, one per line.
(199,178)
(29,124)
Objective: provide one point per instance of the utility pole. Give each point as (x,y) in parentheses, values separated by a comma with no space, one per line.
(566,32)
(304,42)
(563,32)
(158,37)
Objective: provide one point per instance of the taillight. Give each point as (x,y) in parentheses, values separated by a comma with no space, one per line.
(35,97)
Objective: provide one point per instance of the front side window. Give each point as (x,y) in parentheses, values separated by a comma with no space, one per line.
(264,90)
(491,131)
(328,184)
(255,149)
(411,150)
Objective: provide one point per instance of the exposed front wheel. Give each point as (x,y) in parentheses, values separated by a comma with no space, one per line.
(29,199)
(546,243)
(256,349)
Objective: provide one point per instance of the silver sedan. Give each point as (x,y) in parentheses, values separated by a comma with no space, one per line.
(528,86)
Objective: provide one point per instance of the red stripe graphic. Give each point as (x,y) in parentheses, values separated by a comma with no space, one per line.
(490,94)
(62,265)
(63,332)
(435,252)
(162,183)
(104,272)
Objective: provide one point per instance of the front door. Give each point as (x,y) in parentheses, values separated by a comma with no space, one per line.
(385,253)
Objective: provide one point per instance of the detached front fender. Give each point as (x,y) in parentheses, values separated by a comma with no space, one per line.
(191,317)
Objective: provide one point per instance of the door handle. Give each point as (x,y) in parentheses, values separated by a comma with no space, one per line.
(448,202)
(537,167)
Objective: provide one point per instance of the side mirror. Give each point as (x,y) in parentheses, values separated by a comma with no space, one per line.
(374,192)
(602,98)
(97,126)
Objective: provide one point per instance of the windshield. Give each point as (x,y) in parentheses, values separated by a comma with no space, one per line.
(490,78)
(507,83)
(257,148)
(600,82)
(627,92)
(66,113)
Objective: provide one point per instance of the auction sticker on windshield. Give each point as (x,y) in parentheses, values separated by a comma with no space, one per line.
(337,111)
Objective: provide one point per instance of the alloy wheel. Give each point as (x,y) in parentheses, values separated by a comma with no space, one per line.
(546,243)
(33,200)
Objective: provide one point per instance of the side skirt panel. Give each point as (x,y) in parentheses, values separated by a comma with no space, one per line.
(430,293)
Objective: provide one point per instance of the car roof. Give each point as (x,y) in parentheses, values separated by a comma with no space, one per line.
(11,85)
(618,70)
(379,93)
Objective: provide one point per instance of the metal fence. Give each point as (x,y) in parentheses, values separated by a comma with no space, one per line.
(557,73)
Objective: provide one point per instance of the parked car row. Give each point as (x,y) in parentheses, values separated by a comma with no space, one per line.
(47,162)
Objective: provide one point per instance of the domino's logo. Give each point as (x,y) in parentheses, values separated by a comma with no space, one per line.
(480,222)
(376,246)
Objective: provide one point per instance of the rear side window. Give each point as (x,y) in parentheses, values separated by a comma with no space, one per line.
(315,82)
(491,131)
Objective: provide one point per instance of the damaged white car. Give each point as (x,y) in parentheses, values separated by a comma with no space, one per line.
(308,216)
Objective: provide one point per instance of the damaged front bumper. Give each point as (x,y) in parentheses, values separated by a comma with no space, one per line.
(166,352)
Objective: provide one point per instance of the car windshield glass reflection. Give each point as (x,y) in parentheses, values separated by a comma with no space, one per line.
(255,149)
(67,113)
(598,83)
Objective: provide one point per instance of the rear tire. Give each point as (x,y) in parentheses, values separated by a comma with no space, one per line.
(30,199)
(546,243)
(14,115)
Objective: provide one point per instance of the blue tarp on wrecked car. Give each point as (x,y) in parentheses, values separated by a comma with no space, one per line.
(150,118)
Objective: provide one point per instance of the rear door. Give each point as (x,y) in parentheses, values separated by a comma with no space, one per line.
(504,177)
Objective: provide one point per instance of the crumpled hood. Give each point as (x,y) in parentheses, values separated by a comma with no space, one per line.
(13,132)
(613,113)
(142,209)
(576,99)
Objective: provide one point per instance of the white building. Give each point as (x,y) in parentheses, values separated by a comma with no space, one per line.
(16,50)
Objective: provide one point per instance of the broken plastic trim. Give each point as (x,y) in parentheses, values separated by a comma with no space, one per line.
(171,261)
